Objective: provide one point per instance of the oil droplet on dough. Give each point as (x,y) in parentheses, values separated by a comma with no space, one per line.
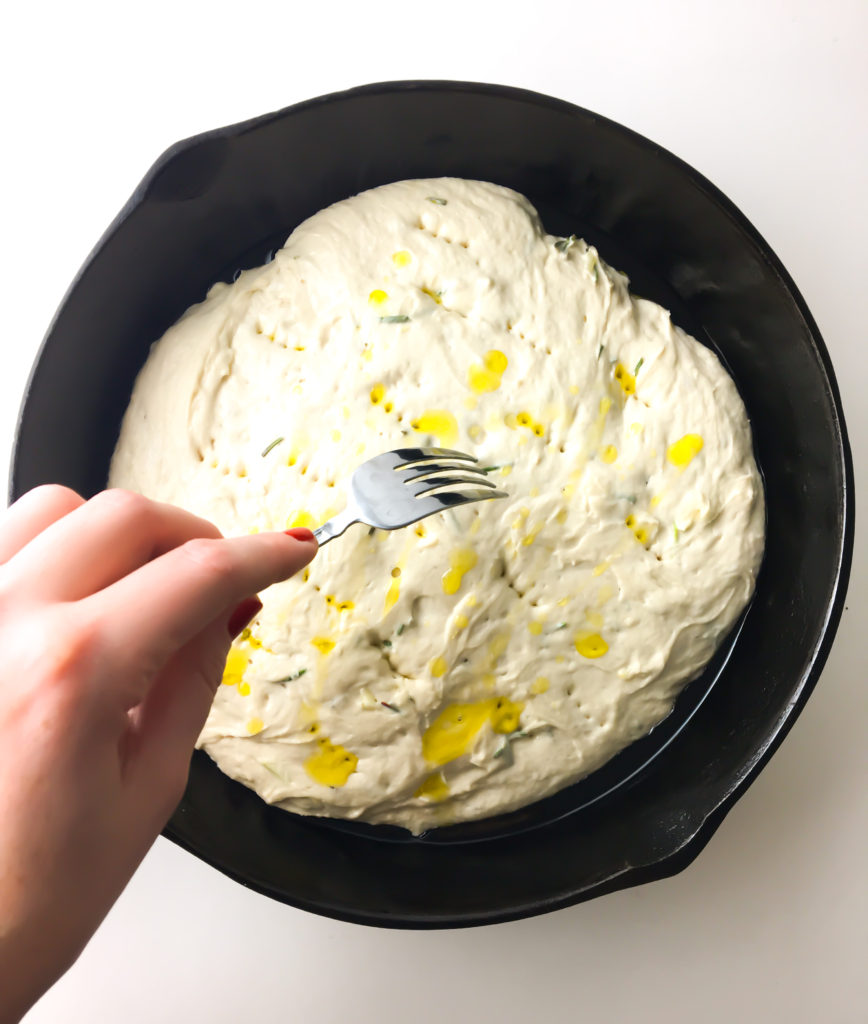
(377,393)
(392,594)
(625,379)
(433,788)
(535,628)
(248,638)
(461,621)
(682,452)
(453,731)
(486,376)
(244,689)
(531,536)
(236,664)
(401,258)
(439,667)
(254,726)
(609,453)
(377,297)
(323,644)
(301,518)
(590,645)
(539,685)
(332,764)
(461,561)
(439,422)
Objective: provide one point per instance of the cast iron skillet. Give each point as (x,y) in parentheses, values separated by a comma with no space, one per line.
(224,200)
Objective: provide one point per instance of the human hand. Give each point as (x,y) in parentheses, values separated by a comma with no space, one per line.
(116,616)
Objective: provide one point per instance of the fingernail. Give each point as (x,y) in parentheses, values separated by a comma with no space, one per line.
(242,615)
(300,533)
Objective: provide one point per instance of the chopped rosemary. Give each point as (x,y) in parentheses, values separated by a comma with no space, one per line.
(268,447)
(391,707)
(398,318)
(491,469)
(290,678)
(639,366)
(437,200)
(593,267)
(401,628)
(600,350)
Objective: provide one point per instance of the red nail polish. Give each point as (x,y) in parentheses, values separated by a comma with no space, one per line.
(300,533)
(242,615)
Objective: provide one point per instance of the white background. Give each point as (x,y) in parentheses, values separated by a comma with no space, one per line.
(768,99)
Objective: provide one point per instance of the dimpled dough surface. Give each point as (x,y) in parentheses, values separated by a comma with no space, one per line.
(487,657)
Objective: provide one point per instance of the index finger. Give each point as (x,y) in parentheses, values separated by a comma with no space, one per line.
(155,610)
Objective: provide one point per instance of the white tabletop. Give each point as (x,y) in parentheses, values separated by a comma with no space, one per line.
(765,97)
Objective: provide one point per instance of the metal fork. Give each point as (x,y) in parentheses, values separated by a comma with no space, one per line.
(394,489)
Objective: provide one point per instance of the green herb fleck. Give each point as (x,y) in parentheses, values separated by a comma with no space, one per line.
(436,200)
(639,366)
(391,707)
(560,625)
(600,350)
(398,318)
(270,767)
(387,643)
(675,531)
(290,678)
(565,244)
(401,628)
(268,447)
(491,469)
(592,267)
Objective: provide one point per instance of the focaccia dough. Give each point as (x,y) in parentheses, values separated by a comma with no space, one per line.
(486,657)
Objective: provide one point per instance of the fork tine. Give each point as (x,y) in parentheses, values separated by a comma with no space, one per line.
(411,455)
(420,487)
(413,472)
(452,499)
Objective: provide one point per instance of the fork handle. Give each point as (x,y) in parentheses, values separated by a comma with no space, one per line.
(335,526)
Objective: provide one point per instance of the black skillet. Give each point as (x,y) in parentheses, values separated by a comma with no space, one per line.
(224,200)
